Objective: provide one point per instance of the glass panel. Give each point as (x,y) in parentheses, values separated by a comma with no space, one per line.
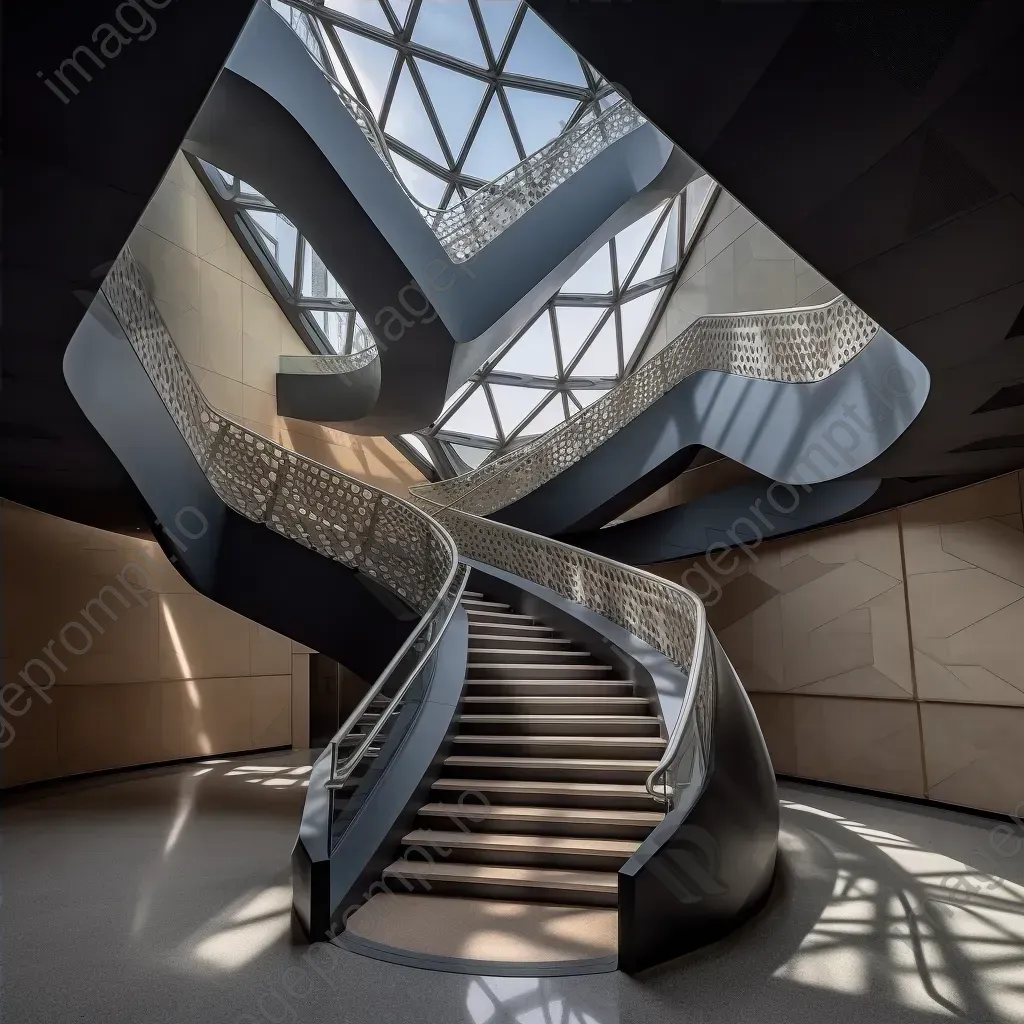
(550,416)
(493,150)
(456,99)
(628,243)
(426,187)
(456,396)
(574,326)
(695,196)
(417,442)
(333,325)
(372,63)
(278,236)
(246,191)
(588,397)
(636,315)
(539,53)
(498,15)
(472,457)
(361,336)
(594,277)
(654,259)
(408,122)
(368,11)
(514,404)
(449,28)
(317,280)
(602,357)
(473,417)
(401,9)
(539,117)
(534,352)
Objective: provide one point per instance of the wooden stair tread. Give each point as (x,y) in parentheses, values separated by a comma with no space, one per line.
(494,874)
(524,844)
(574,815)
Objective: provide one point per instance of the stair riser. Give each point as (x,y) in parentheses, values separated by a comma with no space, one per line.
(565,773)
(536,859)
(570,706)
(540,642)
(533,827)
(546,688)
(535,656)
(504,618)
(596,800)
(541,746)
(516,893)
(510,631)
(510,727)
(534,670)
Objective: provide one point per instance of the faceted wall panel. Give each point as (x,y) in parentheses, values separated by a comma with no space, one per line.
(965,573)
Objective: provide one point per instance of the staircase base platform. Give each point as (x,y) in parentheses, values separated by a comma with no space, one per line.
(484,936)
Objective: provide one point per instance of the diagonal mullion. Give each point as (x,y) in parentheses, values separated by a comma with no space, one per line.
(428,105)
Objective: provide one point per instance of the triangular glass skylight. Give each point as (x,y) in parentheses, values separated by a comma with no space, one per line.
(636,315)
(407,120)
(588,397)
(455,396)
(426,187)
(540,117)
(539,53)
(473,417)
(278,236)
(317,280)
(472,457)
(694,198)
(449,28)
(419,444)
(372,63)
(514,404)
(533,353)
(550,416)
(602,357)
(400,8)
(574,326)
(493,150)
(629,242)
(367,11)
(594,277)
(654,259)
(456,99)
(498,15)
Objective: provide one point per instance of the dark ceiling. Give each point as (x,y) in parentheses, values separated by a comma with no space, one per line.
(76,178)
(884,142)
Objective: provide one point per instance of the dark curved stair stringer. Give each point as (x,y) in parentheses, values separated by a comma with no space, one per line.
(323,174)
(237,562)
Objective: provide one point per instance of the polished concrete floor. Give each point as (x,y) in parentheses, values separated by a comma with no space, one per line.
(162,896)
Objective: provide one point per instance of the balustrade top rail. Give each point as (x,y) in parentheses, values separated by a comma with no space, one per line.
(794,345)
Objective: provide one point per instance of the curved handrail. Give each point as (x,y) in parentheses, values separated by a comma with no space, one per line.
(336,515)
(798,345)
(340,773)
(464,229)
(662,613)
(320,363)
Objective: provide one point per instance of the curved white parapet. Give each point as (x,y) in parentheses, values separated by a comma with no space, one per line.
(800,395)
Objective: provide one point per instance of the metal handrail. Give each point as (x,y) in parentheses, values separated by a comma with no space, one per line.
(340,773)
(450,519)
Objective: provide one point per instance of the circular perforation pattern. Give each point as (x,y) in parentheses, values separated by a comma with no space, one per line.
(792,346)
(336,515)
